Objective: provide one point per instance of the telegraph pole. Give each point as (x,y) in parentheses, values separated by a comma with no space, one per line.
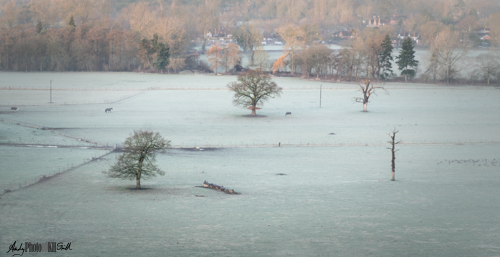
(320,89)
(50,91)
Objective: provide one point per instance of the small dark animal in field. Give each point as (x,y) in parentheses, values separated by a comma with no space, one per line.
(108,109)
(288,114)
(14,108)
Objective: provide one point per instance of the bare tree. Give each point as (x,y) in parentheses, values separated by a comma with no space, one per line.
(176,64)
(249,38)
(448,52)
(231,55)
(261,58)
(139,156)
(215,56)
(252,89)
(368,90)
(393,149)
(489,65)
(291,34)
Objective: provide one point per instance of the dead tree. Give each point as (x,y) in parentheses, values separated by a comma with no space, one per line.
(393,143)
(368,90)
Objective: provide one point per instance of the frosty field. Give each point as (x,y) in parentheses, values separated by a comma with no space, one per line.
(335,199)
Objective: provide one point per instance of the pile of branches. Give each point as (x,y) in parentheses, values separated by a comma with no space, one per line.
(219,188)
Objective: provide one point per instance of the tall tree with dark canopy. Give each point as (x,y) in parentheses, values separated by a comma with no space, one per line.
(386,58)
(252,89)
(71,24)
(39,26)
(162,56)
(139,156)
(406,59)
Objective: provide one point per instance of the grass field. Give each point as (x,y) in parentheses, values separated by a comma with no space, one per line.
(335,199)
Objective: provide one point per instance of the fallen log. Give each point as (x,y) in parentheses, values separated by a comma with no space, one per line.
(219,188)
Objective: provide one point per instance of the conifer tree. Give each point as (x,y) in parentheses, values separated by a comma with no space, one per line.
(39,27)
(386,58)
(406,59)
(162,56)
(72,24)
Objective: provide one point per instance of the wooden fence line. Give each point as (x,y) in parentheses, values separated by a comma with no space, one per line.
(121,98)
(37,126)
(324,144)
(325,87)
(43,177)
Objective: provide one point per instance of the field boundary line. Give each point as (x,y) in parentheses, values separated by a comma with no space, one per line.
(314,144)
(44,177)
(325,87)
(41,127)
(79,103)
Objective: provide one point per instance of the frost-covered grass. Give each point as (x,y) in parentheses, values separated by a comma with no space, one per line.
(10,133)
(207,117)
(333,201)
(23,165)
(18,98)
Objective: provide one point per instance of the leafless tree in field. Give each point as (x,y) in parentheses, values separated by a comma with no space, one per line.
(393,149)
(368,89)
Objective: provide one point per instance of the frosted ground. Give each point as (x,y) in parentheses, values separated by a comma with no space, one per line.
(335,199)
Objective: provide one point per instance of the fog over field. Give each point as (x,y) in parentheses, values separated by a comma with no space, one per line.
(316,183)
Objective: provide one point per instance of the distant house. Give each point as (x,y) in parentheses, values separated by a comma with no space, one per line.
(414,37)
(486,37)
(484,31)
(484,34)
(344,34)
(396,18)
(377,22)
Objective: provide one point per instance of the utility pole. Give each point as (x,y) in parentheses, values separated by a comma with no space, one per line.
(320,89)
(50,91)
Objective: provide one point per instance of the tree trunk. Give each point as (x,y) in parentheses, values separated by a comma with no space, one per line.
(253,112)
(365,106)
(138,177)
(393,164)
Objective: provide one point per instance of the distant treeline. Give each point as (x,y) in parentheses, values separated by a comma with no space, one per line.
(159,35)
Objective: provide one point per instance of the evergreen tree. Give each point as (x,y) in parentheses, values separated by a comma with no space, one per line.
(386,58)
(406,59)
(162,56)
(39,27)
(72,24)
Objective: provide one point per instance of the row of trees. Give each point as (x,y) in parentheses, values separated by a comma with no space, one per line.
(106,34)
(369,55)
(199,17)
